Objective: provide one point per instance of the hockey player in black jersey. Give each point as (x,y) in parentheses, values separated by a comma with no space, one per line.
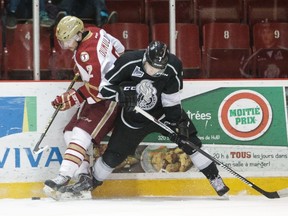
(152,80)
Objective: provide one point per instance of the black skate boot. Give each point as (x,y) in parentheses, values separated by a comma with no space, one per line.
(219,186)
(81,189)
(212,174)
(53,187)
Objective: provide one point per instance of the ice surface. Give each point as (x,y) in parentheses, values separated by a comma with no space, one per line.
(154,206)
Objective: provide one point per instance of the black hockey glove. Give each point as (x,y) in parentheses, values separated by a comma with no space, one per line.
(127,96)
(181,132)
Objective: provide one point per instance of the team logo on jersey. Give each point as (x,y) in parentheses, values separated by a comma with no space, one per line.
(137,72)
(147,95)
(84,56)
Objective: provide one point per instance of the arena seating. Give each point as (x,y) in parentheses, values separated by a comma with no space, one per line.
(225,45)
(155,11)
(128,10)
(211,38)
(18,53)
(279,31)
(270,50)
(258,11)
(227,11)
(219,11)
(132,35)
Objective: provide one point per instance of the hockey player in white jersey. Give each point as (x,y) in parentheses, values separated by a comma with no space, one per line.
(94,54)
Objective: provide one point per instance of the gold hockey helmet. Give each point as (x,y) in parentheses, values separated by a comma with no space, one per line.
(68,27)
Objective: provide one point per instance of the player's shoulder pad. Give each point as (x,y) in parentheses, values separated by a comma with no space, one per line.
(174,61)
(130,56)
(175,65)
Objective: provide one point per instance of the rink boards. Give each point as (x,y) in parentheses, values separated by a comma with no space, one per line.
(242,123)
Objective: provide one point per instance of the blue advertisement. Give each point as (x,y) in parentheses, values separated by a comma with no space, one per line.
(18,114)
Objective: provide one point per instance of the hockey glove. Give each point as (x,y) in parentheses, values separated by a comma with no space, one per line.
(181,130)
(67,100)
(127,96)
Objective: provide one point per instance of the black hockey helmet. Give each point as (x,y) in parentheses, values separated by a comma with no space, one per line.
(157,54)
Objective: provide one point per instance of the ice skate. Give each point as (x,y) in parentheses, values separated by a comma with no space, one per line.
(219,186)
(83,195)
(81,189)
(52,186)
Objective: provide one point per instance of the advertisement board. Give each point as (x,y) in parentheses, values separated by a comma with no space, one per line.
(242,123)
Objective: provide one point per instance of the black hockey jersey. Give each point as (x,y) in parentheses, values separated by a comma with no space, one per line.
(156,95)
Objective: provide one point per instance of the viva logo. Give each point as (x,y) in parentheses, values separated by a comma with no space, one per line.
(16,157)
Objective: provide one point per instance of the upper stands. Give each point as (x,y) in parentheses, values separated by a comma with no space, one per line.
(157,11)
(129,11)
(258,11)
(207,39)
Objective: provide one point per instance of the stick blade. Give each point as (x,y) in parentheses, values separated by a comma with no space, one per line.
(276,194)
(39,150)
(271,195)
(283,193)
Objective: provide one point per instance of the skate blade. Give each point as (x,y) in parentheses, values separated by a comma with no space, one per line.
(84,195)
(56,195)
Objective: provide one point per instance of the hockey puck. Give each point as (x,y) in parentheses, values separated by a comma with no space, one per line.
(35,198)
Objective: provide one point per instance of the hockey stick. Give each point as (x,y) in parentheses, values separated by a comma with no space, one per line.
(38,149)
(270,195)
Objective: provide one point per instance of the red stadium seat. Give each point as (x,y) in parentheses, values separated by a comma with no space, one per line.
(270,51)
(227,11)
(157,11)
(187,45)
(18,55)
(128,10)
(134,36)
(266,11)
(278,35)
(225,46)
